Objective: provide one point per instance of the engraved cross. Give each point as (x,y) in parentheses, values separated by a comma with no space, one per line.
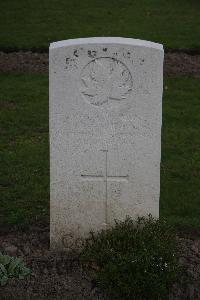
(106,178)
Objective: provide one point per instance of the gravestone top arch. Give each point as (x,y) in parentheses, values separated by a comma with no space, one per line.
(106,40)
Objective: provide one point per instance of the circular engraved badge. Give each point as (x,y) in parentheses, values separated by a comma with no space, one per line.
(104,80)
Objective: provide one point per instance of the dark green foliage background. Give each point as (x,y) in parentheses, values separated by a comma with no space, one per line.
(35,23)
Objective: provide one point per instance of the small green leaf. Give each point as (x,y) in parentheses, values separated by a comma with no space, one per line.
(12,267)
(3,280)
(4,259)
(3,269)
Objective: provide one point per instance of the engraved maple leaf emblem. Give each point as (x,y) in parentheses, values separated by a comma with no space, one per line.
(106,79)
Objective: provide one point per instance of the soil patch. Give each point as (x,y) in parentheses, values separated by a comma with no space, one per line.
(61,275)
(54,275)
(176,63)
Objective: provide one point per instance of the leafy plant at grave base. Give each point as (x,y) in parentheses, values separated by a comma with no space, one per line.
(12,267)
(135,259)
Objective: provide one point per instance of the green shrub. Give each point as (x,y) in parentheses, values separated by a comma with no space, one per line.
(12,267)
(134,259)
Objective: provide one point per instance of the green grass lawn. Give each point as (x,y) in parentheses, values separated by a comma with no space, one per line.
(34,24)
(24,147)
(180,168)
(25,151)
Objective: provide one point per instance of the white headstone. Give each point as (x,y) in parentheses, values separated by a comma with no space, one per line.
(105,134)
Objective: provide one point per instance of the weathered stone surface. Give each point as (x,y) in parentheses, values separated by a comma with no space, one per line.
(105,134)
